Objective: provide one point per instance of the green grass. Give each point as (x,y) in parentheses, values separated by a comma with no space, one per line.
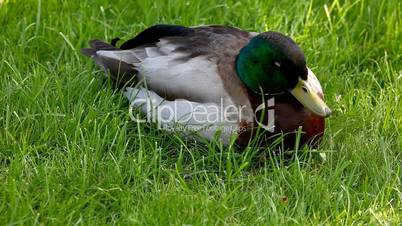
(69,153)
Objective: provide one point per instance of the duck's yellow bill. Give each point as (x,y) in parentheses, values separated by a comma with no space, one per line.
(307,96)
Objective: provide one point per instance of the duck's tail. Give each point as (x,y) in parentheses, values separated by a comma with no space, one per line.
(119,63)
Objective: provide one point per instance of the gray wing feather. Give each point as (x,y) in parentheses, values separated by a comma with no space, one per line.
(113,60)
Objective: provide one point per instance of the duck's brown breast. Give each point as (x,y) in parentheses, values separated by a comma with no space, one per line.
(289,115)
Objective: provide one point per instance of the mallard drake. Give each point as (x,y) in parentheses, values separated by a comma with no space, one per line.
(229,80)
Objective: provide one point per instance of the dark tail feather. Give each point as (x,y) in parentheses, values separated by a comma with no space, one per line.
(114,41)
(88,52)
(101,45)
(97,45)
(121,72)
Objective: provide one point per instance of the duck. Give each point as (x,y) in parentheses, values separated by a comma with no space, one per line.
(218,82)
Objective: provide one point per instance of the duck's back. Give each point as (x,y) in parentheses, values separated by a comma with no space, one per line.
(176,62)
(202,40)
(179,62)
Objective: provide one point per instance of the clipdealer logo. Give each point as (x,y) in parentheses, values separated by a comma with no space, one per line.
(196,116)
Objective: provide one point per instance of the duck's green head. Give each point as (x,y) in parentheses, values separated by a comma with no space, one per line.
(273,63)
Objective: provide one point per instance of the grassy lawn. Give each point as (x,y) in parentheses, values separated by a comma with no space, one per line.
(69,153)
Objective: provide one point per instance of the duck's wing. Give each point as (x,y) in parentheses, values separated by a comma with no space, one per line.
(192,63)
(175,60)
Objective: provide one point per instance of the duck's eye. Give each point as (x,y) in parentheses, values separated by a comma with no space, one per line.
(304,89)
(278,64)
